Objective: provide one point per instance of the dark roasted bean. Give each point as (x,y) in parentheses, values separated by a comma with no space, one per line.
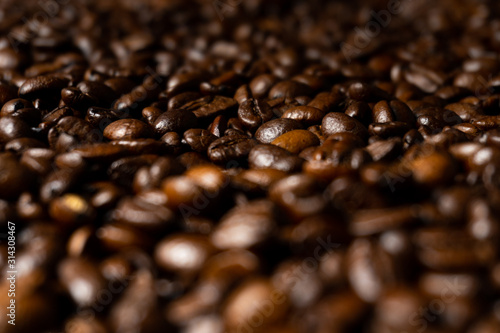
(174,121)
(273,157)
(230,148)
(274,128)
(126,129)
(253,113)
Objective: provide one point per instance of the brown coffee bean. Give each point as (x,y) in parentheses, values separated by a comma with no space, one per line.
(298,195)
(261,84)
(230,148)
(126,129)
(306,115)
(289,89)
(335,122)
(13,128)
(70,210)
(74,273)
(119,237)
(209,177)
(174,121)
(257,218)
(295,141)
(244,304)
(371,221)
(253,113)
(138,213)
(183,254)
(273,157)
(42,86)
(433,169)
(274,128)
(385,150)
(215,106)
(198,139)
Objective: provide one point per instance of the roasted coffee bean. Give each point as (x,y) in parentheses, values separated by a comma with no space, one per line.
(150,114)
(359,110)
(22,144)
(174,121)
(70,210)
(74,272)
(306,115)
(261,84)
(257,218)
(74,98)
(243,305)
(297,194)
(38,160)
(127,129)
(335,122)
(216,106)
(101,117)
(118,237)
(13,105)
(274,128)
(289,89)
(253,113)
(172,252)
(295,141)
(371,221)
(141,214)
(198,139)
(98,92)
(13,128)
(385,149)
(178,101)
(433,168)
(273,157)
(42,86)
(230,148)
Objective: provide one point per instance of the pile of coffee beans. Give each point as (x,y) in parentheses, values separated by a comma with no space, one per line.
(234,166)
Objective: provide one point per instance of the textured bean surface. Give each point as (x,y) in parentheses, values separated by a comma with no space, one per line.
(257,166)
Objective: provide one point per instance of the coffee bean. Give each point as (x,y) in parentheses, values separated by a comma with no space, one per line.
(273,157)
(261,84)
(42,86)
(368,222)
(183,254)
(288,89)
(215,107)
(126,129)
(335,122)
(274,128)
(101,117)
(253,113)
(230,148)
(178,101)
(75,272)
(198,139)
(70,210)
(295,141)
(13,128)
(306,115)
(297,194)
(433,169)
(238,312)
(174,121)
(257,218)
(140,214)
